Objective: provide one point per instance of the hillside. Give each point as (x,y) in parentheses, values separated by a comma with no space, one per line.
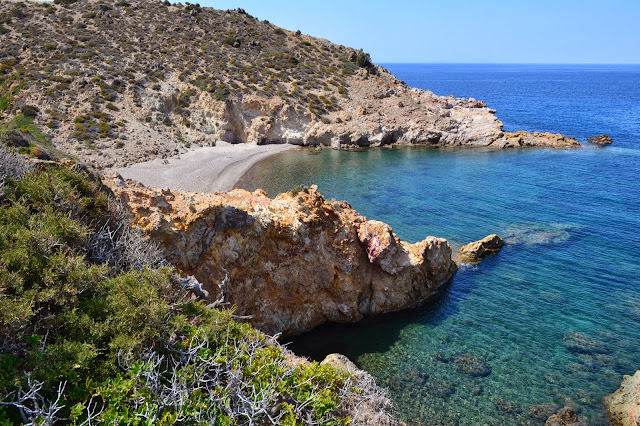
(114,83)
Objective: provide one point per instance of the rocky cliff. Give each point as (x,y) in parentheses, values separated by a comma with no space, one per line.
(295,261)
(116,83)
(623,405)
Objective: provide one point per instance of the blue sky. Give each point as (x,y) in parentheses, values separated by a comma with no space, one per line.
(468,31)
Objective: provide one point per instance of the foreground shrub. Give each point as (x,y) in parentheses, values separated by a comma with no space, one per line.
(88,340)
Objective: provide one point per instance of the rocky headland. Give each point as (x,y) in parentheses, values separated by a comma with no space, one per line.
(118,84)
(294,262)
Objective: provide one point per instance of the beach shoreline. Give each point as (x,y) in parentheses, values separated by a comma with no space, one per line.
(207,169)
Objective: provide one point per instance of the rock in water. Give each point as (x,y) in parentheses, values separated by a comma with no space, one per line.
(479,249)
(623,405)
(471,365)
(565,417)
(582,344)
(542,411)
(295,261)
(601,140)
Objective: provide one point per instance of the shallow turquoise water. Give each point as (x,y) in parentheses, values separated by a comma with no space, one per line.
(553,318)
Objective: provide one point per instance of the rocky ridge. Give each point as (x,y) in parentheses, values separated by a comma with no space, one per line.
(115,84)
(294,262)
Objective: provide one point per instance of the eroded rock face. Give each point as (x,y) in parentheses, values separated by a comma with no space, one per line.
(477,250)
(296,261)
(623,405)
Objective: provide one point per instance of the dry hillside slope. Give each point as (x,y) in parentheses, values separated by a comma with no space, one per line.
(118,82)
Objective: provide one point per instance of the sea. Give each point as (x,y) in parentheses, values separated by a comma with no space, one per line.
(553,320)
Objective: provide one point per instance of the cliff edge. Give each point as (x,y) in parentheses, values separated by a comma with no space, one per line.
(295,261)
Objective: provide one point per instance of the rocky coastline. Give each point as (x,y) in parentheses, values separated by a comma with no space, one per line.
(294,262)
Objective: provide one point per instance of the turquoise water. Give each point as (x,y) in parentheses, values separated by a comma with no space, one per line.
(554,317)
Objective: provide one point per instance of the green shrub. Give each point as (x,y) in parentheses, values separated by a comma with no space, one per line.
(100,343)
(279,31)
(29,111)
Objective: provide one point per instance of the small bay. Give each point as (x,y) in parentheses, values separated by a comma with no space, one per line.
(552,319)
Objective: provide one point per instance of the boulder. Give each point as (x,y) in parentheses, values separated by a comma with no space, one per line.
(623,406)
(601,140)
(565,417)
(479,249)
(542,411)
(294,262)
(471,365)
(17,139)
(582,344)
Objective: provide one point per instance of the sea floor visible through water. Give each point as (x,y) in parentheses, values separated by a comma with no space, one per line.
(550,321)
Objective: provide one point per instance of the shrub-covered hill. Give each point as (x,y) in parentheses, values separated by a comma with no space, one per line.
(94,329)
(96,68)
(119,82)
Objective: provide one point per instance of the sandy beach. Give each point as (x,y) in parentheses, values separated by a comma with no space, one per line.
(206,169)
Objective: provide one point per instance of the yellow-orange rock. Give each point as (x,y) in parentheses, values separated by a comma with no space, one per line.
(295,261)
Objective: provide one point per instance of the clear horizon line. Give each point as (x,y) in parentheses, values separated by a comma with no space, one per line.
(511,63)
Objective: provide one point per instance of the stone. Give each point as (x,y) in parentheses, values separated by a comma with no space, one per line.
(579,343)
(507,407)
(294,262)
(440,388)
(623,406)
(542,411)
(601,140)
(565,417)
(17,139)
(40,153)
(471,365)
(479,249)
(416,377)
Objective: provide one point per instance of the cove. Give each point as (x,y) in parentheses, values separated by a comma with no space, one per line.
(553,318)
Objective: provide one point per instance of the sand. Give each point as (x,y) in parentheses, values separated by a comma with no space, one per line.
(207,169)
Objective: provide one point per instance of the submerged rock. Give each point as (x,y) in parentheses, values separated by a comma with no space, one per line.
(542,411)
(440,388)
(479,249)
(582,344)
(601,140)
(565,417)
(623,406)
(471,365)
(294,262)
(507,407)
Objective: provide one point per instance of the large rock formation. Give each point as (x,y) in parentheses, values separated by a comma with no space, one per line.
(294,262)
(623,405)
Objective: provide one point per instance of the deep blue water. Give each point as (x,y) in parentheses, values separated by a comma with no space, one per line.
(554,318)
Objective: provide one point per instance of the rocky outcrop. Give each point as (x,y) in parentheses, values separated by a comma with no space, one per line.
(295,261)
(623,405)
(380,110)
(565,417)
(601,140)
(477,250)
